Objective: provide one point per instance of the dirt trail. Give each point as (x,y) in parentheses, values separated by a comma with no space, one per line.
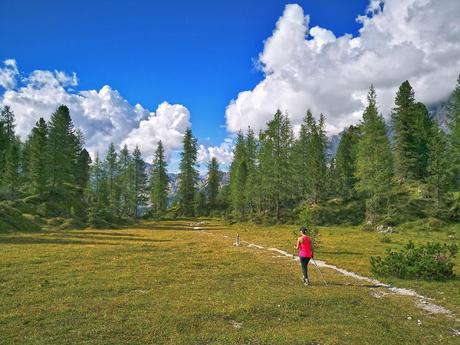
(422,302)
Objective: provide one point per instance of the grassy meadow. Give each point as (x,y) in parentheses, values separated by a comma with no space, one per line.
(165,283)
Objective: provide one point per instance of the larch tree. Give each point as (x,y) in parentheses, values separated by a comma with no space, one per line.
(159,182)
(38,150)
(188,174)
(438,166)
(139,182)
(238,177)
(61,148)
(345,160)
(454,136)
(374,166)
(112,179)
(212,188)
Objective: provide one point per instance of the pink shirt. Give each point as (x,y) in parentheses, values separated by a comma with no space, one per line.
(305,247)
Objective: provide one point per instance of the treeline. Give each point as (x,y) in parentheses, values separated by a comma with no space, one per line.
(278,176)
(379,175)
(51,177)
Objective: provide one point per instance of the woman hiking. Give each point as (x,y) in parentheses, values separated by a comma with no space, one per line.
(305,252)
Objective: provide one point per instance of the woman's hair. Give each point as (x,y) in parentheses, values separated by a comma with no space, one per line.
(304,230)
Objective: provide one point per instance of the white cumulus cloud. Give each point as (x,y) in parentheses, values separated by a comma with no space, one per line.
(223,153)
(167,124)
(305,67)
(8,74)
(104,116)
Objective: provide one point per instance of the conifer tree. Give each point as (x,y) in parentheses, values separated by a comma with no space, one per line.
(99,193)
(405,146)
(346,162)
(212,188)
(318,160)
(275,163)
(38,149)
(438,166)
(140,182)
(126,171)
(252,186)
(61,148)
(374,168)
(301,157)
(82,170)
(7,118)
(159,182)
(454,136)
(238,177)
(188,175)
(423,129)
(112,177)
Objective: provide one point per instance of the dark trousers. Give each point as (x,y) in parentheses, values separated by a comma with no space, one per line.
(304,264)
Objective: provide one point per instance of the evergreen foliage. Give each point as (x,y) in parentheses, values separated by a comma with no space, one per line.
(139,182)
(188,175)
(432,261)
(454,137)
(159,182)
(212,188)
(37,157)
(275,176)
(346,162)
(374,168)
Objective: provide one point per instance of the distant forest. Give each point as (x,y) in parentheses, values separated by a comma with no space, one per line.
(275,176)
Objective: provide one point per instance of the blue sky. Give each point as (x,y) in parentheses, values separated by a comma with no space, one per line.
(187,60)
(196,53)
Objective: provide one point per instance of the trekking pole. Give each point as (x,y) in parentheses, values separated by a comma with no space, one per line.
(321,273)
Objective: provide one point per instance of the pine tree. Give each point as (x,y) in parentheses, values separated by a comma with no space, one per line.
(238,177)
(7,118)
(37,157)
(423,129)
(61,148)
(405,141)
(318,160)
(438,166)
(159,182)
(275,164)
(346,162)
(454,137)
(112,177)
(212,188)
(252,191)
(124,181)
(83,168)
(188,175)
(301,158)
(99,194)
(140,182)
(374,168)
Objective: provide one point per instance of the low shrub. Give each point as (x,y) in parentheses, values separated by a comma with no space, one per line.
(334,212)
(432,261)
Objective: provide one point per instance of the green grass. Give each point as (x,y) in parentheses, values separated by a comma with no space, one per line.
(162,283)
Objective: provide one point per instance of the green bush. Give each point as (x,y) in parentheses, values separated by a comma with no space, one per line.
(431,261)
